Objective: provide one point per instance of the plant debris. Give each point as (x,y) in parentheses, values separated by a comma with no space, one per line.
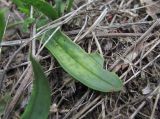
(128,38)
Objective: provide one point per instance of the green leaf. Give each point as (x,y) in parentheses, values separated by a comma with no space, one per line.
(98,58)
(60,7)
(80,65)
(2,24)
(27,22)
(43,7)
(69,5)
(41,21)
(39,104)
(22,6)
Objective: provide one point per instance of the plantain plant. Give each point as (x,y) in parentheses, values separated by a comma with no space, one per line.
(84,67)
(74,59)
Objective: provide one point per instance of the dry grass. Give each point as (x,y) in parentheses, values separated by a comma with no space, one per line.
(121,31)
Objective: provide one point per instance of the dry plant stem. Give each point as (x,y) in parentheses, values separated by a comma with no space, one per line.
(86,108)
(121,4)
(103,110)
(145,116)
(74,32)
(137,73)
(77,104)
(16,52)
(10,60)
(91,109)
(62,20)
(132,102)
(3,71)
(15,99)
(50,37)
(137,42)
(99,19)
(105,34)
(24,83)
(20,48)
(129,2)
(67,19)
(137,110)
(143,103)
(24,73)
(33,33)
(90,45)
(116,104)
(50,68)
(13,43)
(25,63)
(144,6)
(57,21)
(6,3)
(26,76)
(124,25)
(20,79)
(127,102)
(81,30)
(97,43)
(119,108)
(114,17)
(18,15)
(59,89)
(155,104)
(157,42)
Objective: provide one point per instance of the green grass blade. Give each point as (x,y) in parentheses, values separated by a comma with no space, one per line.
(69,5)
(2,24)
(81,65)
(43,7)
(39,104)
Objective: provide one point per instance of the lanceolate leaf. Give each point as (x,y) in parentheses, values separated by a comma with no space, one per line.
(38,106)
(43,7)
(2,24)
(82,66)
